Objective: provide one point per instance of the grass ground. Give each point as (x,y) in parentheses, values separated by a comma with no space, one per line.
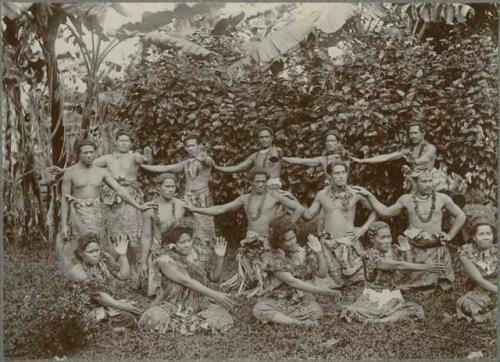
(31,280)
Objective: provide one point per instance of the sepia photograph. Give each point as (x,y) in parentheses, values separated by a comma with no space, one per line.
(249,180)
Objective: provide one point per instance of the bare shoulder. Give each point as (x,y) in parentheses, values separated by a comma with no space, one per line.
(404,199)
(444,198)
(77,274)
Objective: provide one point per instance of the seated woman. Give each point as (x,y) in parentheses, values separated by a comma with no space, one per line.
(102,277)
(284,296)
(480,262)
(381,300)
(184,301)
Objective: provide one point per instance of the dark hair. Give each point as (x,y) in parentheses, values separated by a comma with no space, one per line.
(166,176)
(260,171)
(122,132)
(184,225)
(86,142)
(279,227)
(420,126)
(331,165)
(83,241)
(375,227)
(333,132)
(265,128)
(480,221)
(193,136)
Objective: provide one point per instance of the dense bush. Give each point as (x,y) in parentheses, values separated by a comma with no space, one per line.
(389,82)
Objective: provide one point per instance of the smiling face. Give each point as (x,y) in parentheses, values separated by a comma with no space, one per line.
(123,143)
(265,139)
(416,135)
(168,189)
(87,155)
(339,175)
(483,237)
(92,254)
(184,244)
(331,143)
(192,147)
(288,241)
(383,239)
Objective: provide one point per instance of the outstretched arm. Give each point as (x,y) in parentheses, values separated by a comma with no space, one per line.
(476,276)
(111,182)
(176,167)
(237,168)
(390,264)
(380,158)
(456,212)
(309,162)
(379,207)
(298,209)
(218,209)
(171,272)
(290,280)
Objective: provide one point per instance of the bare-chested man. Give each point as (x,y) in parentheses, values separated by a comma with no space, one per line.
(268,159)
(425,208)
(261,205)
(197,169)
(81,207)
(421,156)
(165,211)
(342,249)
(122,218)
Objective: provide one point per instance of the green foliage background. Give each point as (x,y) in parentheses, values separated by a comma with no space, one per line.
(388,83)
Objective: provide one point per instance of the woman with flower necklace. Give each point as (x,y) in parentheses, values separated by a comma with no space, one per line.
(421,156)
(285,291)
(480,262)
(382,300)
(185,302)
(428,241)
(342,247)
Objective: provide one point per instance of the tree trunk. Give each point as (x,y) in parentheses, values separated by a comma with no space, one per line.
(49,36)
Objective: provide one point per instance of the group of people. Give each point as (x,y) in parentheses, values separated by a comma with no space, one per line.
(168,248)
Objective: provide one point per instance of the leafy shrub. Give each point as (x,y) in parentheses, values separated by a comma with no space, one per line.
(389,82)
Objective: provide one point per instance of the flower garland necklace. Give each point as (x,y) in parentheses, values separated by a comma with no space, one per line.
(417,212)
(259,210)
(342,193)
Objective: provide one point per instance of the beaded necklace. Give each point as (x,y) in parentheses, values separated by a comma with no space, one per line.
(342,193)
(417,211)
(259,210)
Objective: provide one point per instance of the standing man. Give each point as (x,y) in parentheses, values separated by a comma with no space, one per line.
(268,159)
(428,242)
(421,156)
(260,206)
(122,218)
(81,207)
(342,248)
(197,169)
(165,211)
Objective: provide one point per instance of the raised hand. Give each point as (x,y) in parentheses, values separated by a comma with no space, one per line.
(121,244)
(146,206)
(147,154)
(313,243)
(187,205)
(404,245)
(220,247)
